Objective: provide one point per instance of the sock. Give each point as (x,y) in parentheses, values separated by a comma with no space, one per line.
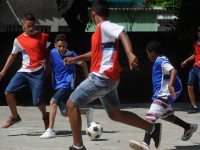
(78,147)
(147,138)
(182,123)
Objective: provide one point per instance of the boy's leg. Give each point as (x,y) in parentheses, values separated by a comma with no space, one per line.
(189,129)
(16,84)
(75,123)
(50,133)
(36,81)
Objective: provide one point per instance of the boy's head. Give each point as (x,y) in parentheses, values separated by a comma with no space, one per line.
(28,24)
(153,49)
(61,43)
(100,8)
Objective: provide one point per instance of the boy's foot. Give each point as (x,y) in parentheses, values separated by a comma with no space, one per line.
(89,115)
(156,135)
(193,111)
(11,121)
(188,134)
(73,148)
(49,133)
(138,145)
(46,121)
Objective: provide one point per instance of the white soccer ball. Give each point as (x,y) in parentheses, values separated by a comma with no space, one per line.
(94,130)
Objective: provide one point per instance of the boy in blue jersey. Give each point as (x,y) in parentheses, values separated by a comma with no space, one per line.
(63,82)
(166,88)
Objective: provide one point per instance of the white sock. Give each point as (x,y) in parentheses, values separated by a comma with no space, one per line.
(78,147)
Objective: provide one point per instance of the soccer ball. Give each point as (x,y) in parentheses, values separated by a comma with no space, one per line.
(94,130)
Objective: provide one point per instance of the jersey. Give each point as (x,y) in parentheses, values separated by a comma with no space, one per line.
(62,76)
(160,80)
(34,50)
(197,54)
(105,51)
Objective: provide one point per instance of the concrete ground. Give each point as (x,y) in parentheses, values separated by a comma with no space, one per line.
(25,135)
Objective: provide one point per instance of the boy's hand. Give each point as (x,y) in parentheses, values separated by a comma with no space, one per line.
(69,60)
(183,64)
(133,62)
(2,73)
(171,91)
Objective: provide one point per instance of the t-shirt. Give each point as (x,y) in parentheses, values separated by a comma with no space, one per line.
(62,76)
(33,49)
(160,80)
(104,50)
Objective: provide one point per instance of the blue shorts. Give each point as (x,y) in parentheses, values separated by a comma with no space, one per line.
(36,81)
(96,87)
(60,98)
(194,72)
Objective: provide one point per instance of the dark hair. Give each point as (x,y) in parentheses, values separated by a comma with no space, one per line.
(198,29)
(101,8)
(154,46)
(29,16)
(61,37)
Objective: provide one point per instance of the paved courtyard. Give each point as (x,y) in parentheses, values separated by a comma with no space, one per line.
(25,135)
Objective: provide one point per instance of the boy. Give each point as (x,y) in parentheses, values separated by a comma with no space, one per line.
(194,72)
(104,77)
(166,87)
(33,46)
(63,82)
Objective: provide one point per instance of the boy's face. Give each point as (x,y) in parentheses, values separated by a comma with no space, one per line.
(151,55)
(61,46)
(28,27)
(198,34)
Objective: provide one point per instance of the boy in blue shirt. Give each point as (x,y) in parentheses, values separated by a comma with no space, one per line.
(166,88)
(63,82)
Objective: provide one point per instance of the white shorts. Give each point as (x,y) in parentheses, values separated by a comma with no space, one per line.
(158,109)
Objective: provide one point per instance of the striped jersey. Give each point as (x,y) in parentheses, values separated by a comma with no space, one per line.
(104,50)
(160,80)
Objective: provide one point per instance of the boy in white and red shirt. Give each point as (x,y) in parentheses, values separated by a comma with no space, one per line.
(104,77)
(33,46)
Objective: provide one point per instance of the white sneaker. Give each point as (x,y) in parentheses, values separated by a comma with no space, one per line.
(138,145)
(188,134)
(49,133)
(89,115)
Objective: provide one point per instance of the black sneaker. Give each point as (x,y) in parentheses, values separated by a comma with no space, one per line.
(193,111)
(73,148)
(156,135)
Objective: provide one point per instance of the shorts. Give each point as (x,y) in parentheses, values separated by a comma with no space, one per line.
(194,72)
(96,87)
(158,109)
(35,80)
(60,98)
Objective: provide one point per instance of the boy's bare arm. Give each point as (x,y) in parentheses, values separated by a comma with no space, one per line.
(83,57)
(10,60)
(85,69)
(173,74)
(133,61)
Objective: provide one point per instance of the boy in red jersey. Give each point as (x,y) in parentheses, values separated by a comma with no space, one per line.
(104,77)
(33,46)
(194,72)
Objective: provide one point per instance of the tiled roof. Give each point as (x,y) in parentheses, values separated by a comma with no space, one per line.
(140,9)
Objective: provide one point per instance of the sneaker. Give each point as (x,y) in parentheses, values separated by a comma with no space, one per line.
(188,134)
(46,121)
(11,121)
(156,135)
(49,133)
(138,145)
(193,111)
(88,115)
(73,148)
